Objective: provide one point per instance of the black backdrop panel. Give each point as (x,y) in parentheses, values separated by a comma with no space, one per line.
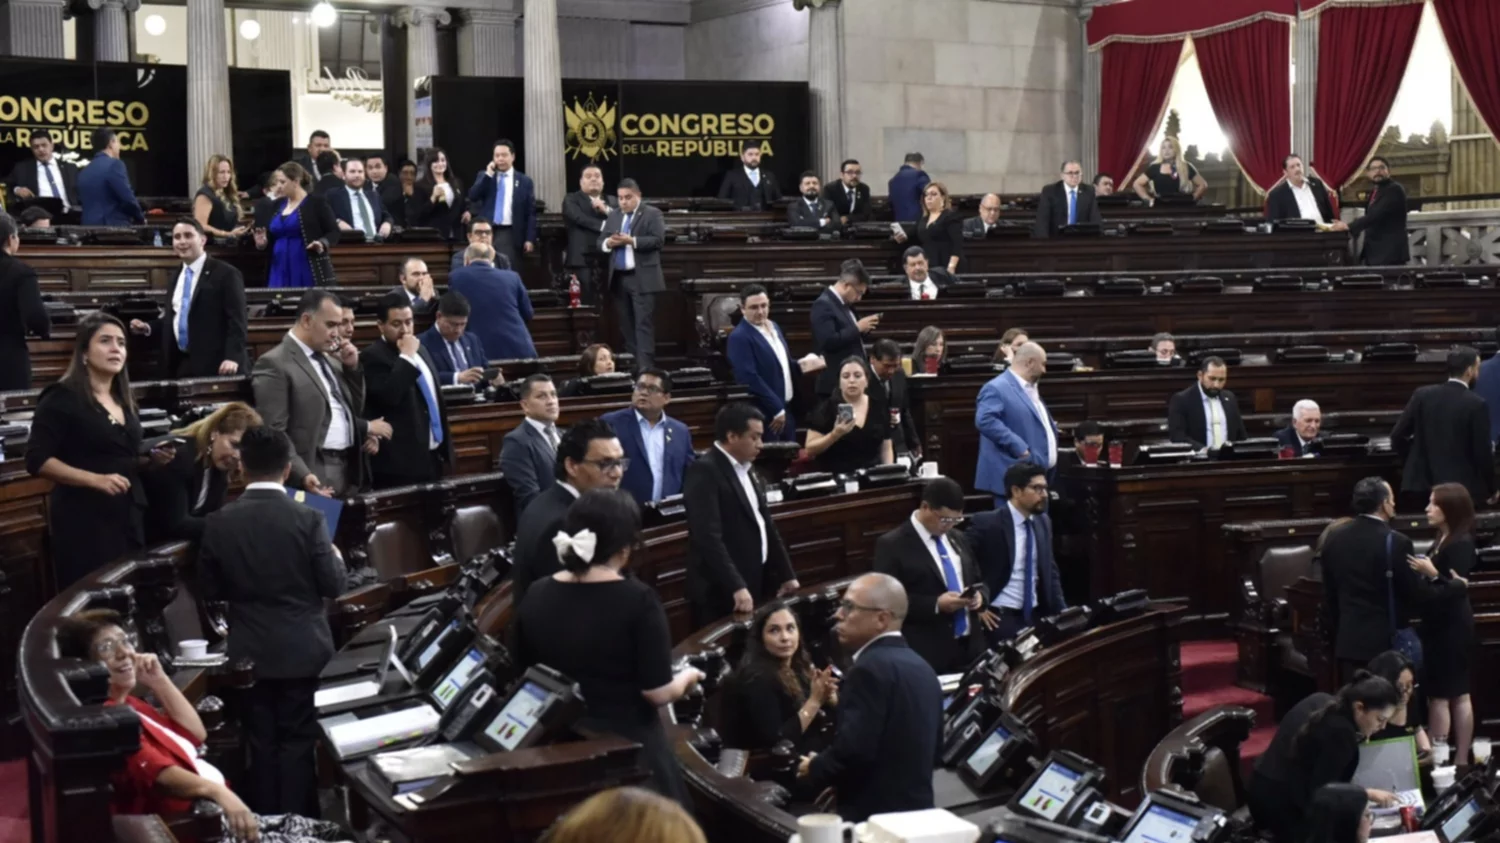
(675,138)
(261,114)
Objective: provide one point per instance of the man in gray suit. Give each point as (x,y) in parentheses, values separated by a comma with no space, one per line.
(633,236)
(528,453)
(978,228)
(584,213)
(311,388)
(270,559)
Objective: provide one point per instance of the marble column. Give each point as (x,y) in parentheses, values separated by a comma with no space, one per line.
(1305,88)
(487,43)
(1093,61)
(545,140)
(421,24)
(825,82)
(112,28)
(35,26)
(207,87)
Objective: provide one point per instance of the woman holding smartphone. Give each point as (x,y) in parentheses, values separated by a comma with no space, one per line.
(850,429)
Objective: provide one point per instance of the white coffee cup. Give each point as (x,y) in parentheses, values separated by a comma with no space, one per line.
(929,468)
(1481,750)
(1443,777)
(192,648)
(1441,752)
(822,828)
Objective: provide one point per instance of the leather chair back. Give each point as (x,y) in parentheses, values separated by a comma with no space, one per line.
(475,529)
(1217,785)
(397,548)
(1283,566)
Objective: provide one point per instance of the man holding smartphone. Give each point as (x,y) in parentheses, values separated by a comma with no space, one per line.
(837,333)
(941,576)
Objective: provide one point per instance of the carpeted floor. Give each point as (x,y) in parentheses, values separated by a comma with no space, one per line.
(14,826)
(1208,670)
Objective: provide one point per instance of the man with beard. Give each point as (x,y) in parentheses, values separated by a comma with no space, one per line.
(813,211)
(1206,414)
(1384,222)
(1299,196)
(850,196)
(1013,544)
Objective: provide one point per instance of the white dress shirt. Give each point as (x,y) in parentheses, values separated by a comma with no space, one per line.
(178,305)
(753,175)
(361,210)
(779,349)
(937,559)
(432,384)
(45,189)
(654,437)
(1041,410)
(1215,422)
(1013,596)
(742,471)
(1307,203)
(547,431)
(627,219)
(926,285)
(853,197)
(817,210)
(861,650)
(507,182)
(340,427)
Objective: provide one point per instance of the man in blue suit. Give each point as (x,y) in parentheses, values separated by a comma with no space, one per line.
(1487,386)
(505,196)
(357,207)
(1013,543)
(1014,423)
(659,447)
(104,187)
(762,361)
(498,303)
(890,710)
(459,355)
(906,186)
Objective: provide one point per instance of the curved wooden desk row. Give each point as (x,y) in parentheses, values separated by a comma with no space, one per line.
(1108,694)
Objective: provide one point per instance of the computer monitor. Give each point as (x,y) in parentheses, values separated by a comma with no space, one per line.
(543,701)
(435,646)
(1174,818)
(519,716)
(1453,826)
(1052,790)
(1006,741)
(448,688)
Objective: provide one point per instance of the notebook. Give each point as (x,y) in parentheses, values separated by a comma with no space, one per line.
(1391,765)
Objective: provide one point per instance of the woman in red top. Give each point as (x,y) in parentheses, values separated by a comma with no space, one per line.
(165,775)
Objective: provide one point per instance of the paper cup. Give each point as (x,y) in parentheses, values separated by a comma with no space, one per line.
(192,648)
(1444,777)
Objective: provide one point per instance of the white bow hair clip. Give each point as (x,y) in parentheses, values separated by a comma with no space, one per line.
(582,544)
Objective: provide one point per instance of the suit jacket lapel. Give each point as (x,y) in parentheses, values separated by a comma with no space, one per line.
(726,466)
(200,287)
(760,338)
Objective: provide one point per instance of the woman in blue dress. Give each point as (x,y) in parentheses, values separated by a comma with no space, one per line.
(299,229)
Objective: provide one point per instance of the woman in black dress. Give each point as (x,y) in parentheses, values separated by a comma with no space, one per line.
(85,438)
(216,206)
(940,230)
(438,199)
(776,694)
(1398,670)
(183,492)
(1339,813)
(1170,174)
(1447,619)
(622,655)
(859,442)
(1316,743)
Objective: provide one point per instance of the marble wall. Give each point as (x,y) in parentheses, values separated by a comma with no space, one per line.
(748,40)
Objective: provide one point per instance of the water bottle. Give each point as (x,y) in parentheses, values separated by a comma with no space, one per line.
(575,292)
(156,238)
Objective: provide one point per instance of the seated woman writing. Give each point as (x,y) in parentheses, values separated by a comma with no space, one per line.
(166,774)
(776,693)
(845,443)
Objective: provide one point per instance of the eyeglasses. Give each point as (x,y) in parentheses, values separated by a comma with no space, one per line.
(106,648)
(649,389)
(606,466)
(1072,172)
(849,607)
(1039,488)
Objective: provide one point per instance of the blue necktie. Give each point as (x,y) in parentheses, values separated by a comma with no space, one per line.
(500,182)
(1072,207)
(620,251)
(1028,591)
(434,418)
(182,310)
(950,577)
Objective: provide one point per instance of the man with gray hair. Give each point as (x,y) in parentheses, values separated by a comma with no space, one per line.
(1014,423)
(1302,434)
(890,710)
(499,306)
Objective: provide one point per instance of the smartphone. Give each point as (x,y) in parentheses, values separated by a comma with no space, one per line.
(149,445)
(896,228)
(968,593)
(846,413)
(490,374)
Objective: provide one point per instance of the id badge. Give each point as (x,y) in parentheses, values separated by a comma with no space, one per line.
(895,418)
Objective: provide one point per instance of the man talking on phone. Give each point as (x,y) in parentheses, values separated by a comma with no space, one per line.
(938,570)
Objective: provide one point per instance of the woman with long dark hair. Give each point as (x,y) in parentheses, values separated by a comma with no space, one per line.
(1339,813)
(608,632)
(844,444)
(438,199)
(1317,743)
(1396,668)
(596,359)
(1448,619)
(299,229)
(776,693)
(85,438)
(930,351)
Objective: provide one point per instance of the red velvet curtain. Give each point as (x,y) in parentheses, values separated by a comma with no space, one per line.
(1362,56)
(1134,82)
(1472,28)
(1246,71)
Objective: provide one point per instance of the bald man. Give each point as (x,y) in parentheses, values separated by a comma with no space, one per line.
(890,710)
(1014,423)
(977,228)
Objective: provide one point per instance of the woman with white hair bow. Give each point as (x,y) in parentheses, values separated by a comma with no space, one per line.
(607,631)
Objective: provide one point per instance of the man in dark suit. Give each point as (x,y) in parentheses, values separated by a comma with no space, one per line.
(589,457)
(528,453)
(1299,196)
(43,175)
(1384,222)
(357,206)
(633,236)
(1443,435)
(813,211)
(748,186)
(1302,434)
(204,329)
(387,187)
(1486,386)
(1206,414)
(506,197)
(332,168)
(762,361)
(978,228)
(850,196)
(890,710)
(416,285)
(104,186)
(935,567)
(1065,202)
(459,355)
(659,447)
(21,311)
(480,233)
(905,188)
(317,144)
(270,559)
(1364,573)
(584,212)
(736,560)
(401,386)
(837,334)
(500,305)
(1013,544)
(885,364)
(923,283)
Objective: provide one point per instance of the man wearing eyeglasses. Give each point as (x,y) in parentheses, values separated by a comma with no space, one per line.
(658,447)
(1065,202)
(849,195)
(589,457)
(942,582)
(1013,544)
